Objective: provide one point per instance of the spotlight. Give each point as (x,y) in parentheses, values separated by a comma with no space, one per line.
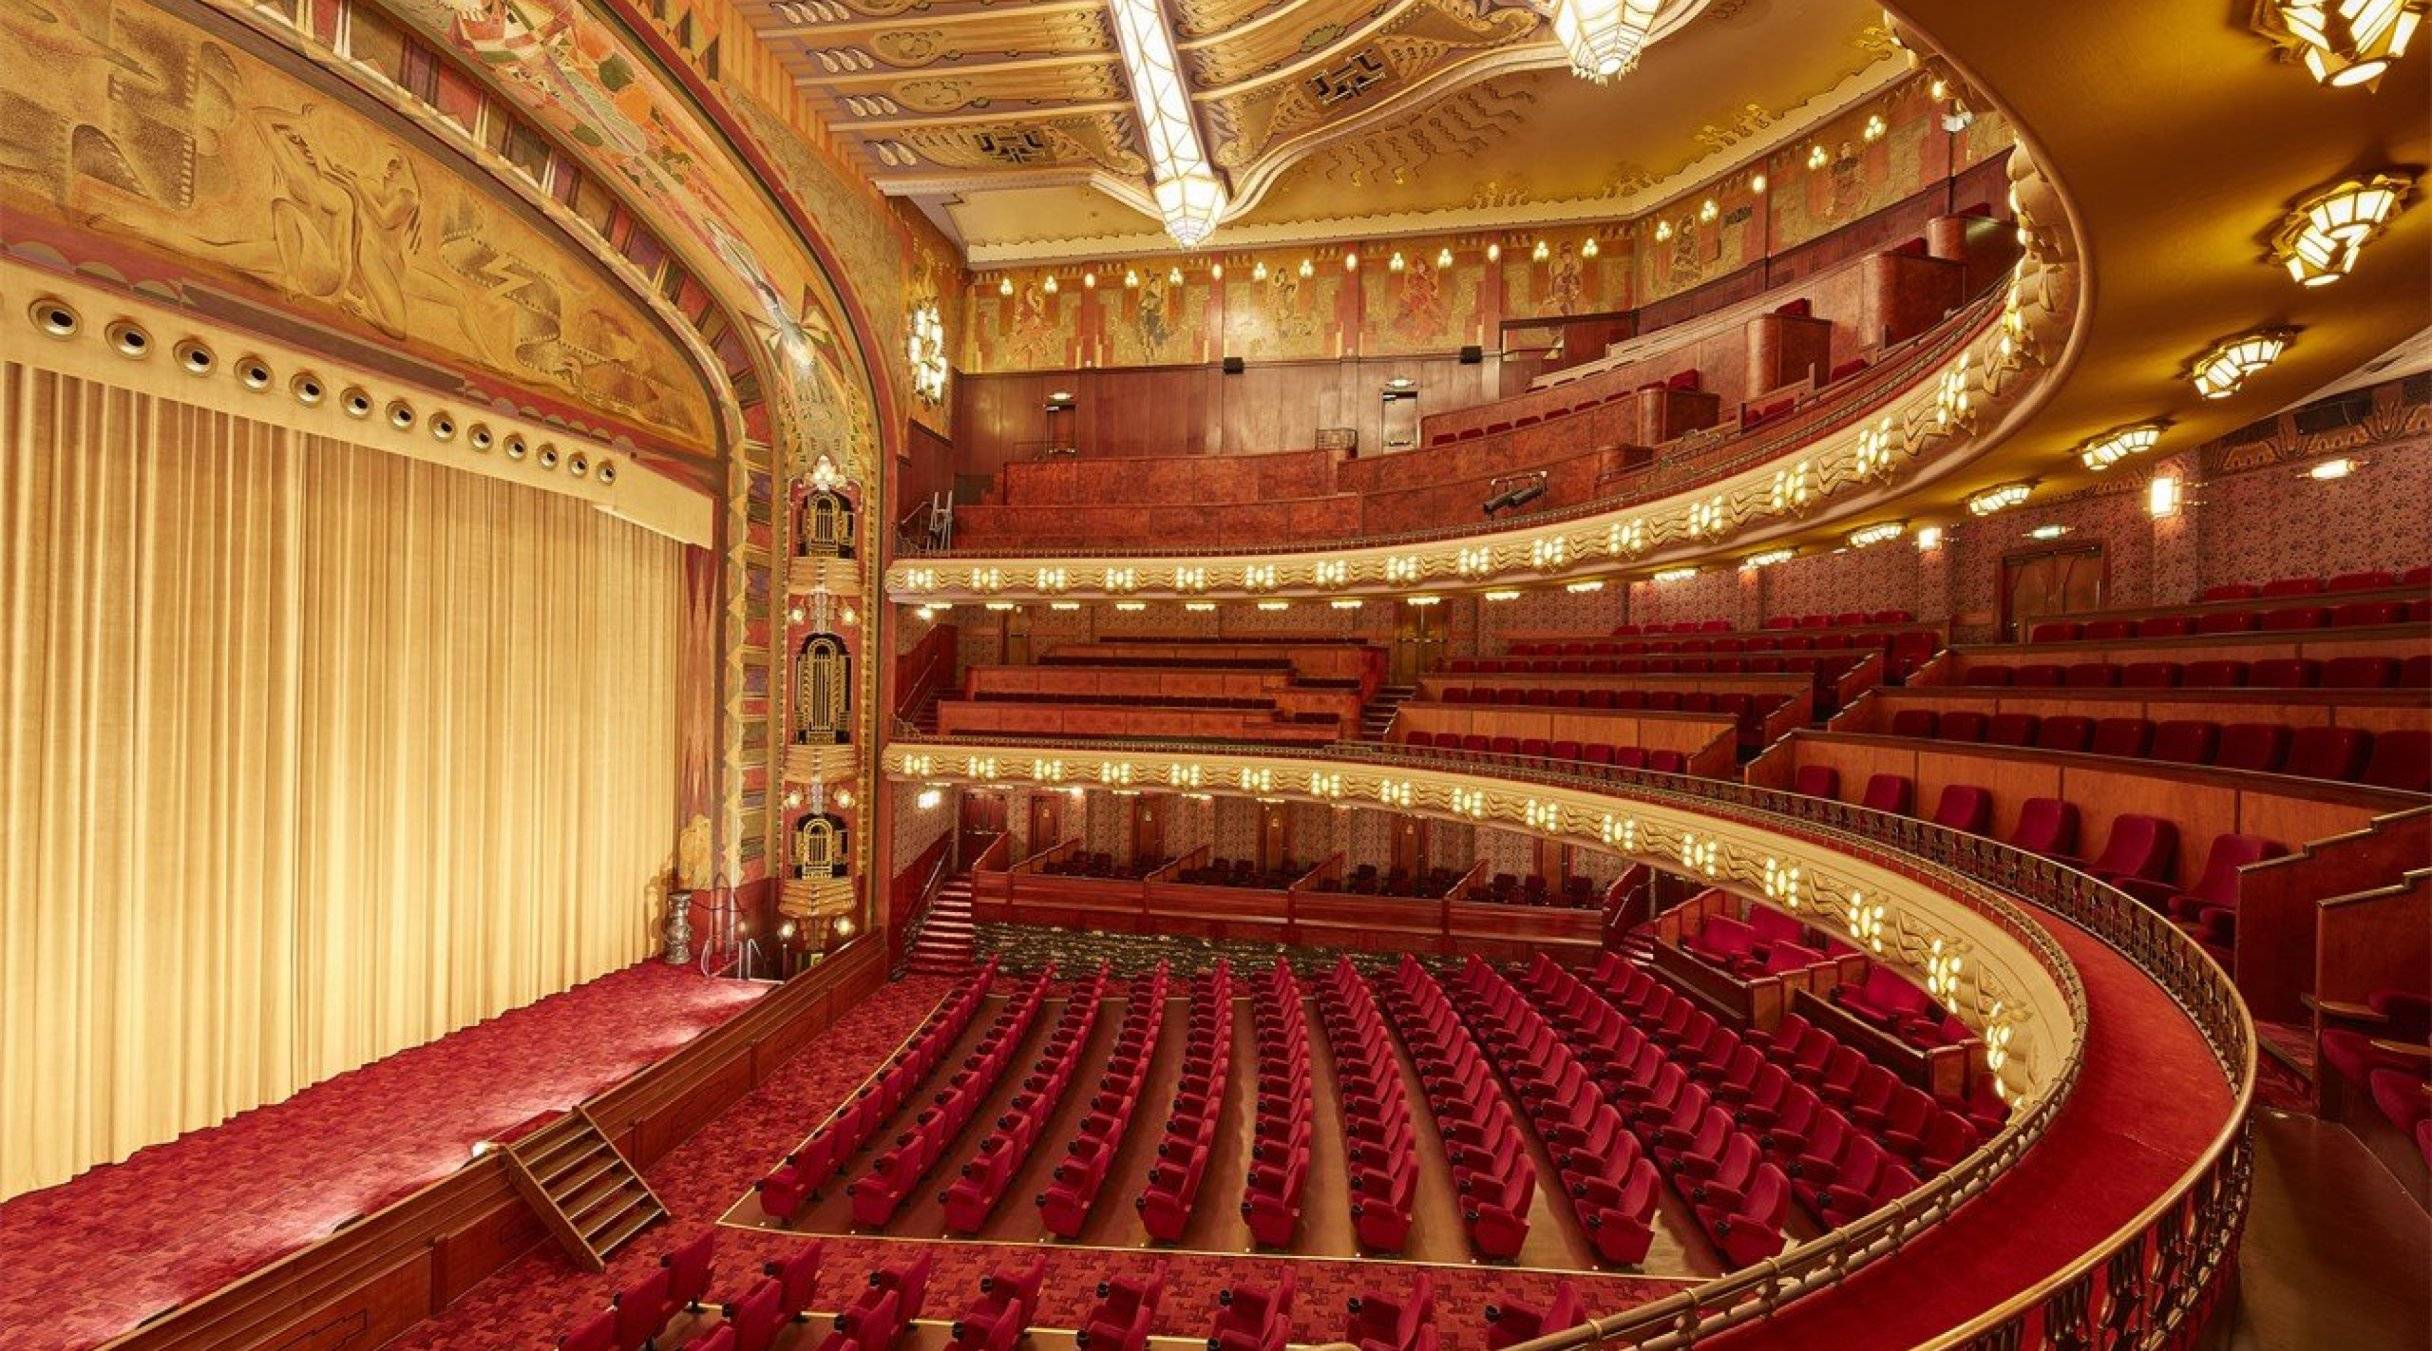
(1524,489)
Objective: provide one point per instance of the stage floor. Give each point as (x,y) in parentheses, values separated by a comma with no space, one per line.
(93,1257)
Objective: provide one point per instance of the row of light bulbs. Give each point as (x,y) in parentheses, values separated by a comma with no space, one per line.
(1541,251)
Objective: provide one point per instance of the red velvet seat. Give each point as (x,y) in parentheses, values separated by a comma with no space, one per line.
(2110,630)
(1915,722)
(2039,675)
(2230,591)
(1817,781)
(2292,586)
(2285,673)
(2047,826)
(2093,675)
(2065,732)
(1964,807)
(1962,724)
(2258,746)
(1888,793)
(2361,613)
(596,1333)
(2185,741)
(2011,729)
(2334,753)
(2121,736)
(2165,626)
(2401,758)
(2214,896)
(2373,580)
(2226,621)
(2140,847)
(1668,762)
(2294,617)
(2214,675)
(2056,631)
(2150,675)
(2359,673)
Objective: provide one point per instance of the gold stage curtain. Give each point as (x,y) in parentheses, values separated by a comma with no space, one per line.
(311,753)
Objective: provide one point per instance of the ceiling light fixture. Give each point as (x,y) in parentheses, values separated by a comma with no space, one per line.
(2221,372)
(2323,234)
(1396,263)
(1593,584)
(1189,195)
(2118,444)
(1995,500)
(1089,281)
(1542,252)
(1273,605)
(1258,271)
(1503,595)
(1603,37)
(2344,43)
(1881,532)
(1671,575)
(1346,603)
(1769,558)
(1005,287)
(1422,600)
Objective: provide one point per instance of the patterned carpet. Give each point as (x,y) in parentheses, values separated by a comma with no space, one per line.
(91,1258)
(531,1302)
(1029,946)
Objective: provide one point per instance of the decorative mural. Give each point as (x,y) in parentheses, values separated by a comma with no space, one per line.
(1583,271)
(1869,158)
(1699,240)
(1160,322)
(1423,307)
(1286,316)
(244,181)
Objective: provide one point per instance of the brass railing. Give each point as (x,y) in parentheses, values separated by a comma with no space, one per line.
(2154,1277)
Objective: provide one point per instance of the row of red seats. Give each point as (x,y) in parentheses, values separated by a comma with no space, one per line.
(1509,1323)
(1490,1162)
(981,1182)
(639,1314)
(1745,707)
(1726,645)
(1823,668)
(2139,856)
(1844,1132)
(799,1175)
(2400,758)
(999,1315)
(1769,942)
(1739,1197)
(2272,673)
(2371,579)
(1539,748)
(1081,1174)
(2284,619)
(1382,1322)
(2383,1047)
(879,1316)
(1606,1176)
(1165,1205)
(1286,1109)
(1254,1317)
(1840,620)
(1375,1103)
(879,1193)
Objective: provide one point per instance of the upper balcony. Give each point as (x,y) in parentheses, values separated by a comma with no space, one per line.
(1813,399)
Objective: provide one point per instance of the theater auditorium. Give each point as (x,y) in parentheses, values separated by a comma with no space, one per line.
(1262,675)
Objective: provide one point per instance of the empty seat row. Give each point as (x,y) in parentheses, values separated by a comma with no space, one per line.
(1539,748)
(1679,1114)
(1605,1173)
(1172,1192)
(982,1181)
(798,1177)
(880,1192)
(2370,579)
(883,1310)
(1381,1153)
(1725,644)
(2282,619)
(641,1310)
(1090,1152)
(1768,942)
(1490,1162)
(1839,620)
(1829,666)
(2280,673)
(1284,1112)
(2399,758)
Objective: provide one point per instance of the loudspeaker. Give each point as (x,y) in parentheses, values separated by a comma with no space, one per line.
(1232,365)
(1472,355)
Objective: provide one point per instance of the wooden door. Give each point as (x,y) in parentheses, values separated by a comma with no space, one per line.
(1046,821)
(1149,811)
(1275,836)
(2039,582)
(1418,644)
(980,816)
(1017,637)
(1410,846)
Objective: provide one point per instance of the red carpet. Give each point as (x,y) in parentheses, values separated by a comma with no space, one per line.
(89,1259)
(2147,1104)
(532,1301)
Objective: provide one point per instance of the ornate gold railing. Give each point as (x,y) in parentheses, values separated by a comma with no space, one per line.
(2155,1278)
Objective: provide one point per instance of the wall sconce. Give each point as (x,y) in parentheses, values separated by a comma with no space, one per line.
(1444,257)
(1999,499)
(2162,496)
(2116,445)
(2331,469)
(1879,533)
(1929,538)
(2222,371)
(2048,533)
(1541,252)
(2323,234)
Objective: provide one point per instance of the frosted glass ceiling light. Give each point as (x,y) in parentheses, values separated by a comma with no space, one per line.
(1189,195)
(1603,37)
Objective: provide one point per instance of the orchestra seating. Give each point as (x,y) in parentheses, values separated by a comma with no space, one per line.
(1651,424)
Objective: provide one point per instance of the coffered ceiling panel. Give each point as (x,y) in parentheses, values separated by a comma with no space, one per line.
(1014,123)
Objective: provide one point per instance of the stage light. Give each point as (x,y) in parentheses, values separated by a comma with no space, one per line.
(1422,600)
(1273,605)
(928,799)
(1593,584)
(1529,489)
(1346,603)
(1671,575)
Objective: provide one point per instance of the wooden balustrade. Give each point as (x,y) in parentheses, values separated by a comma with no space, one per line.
(2398,641)
(1710,741)
(2372,710)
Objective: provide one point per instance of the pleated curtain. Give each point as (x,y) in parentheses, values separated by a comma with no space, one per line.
(308,753)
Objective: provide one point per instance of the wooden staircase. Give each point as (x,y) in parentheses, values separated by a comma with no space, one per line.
(1376,716)
(575,1179)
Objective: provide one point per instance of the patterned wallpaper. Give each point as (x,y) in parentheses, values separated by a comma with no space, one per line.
(2287,524)
(916,829)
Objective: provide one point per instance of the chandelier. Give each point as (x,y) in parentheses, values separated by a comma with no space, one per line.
(1603,37)
(1189,195)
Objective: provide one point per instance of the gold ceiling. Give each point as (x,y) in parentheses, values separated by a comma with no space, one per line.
(1013,124)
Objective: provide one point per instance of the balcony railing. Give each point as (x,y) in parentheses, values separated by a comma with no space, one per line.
(2154,1277)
